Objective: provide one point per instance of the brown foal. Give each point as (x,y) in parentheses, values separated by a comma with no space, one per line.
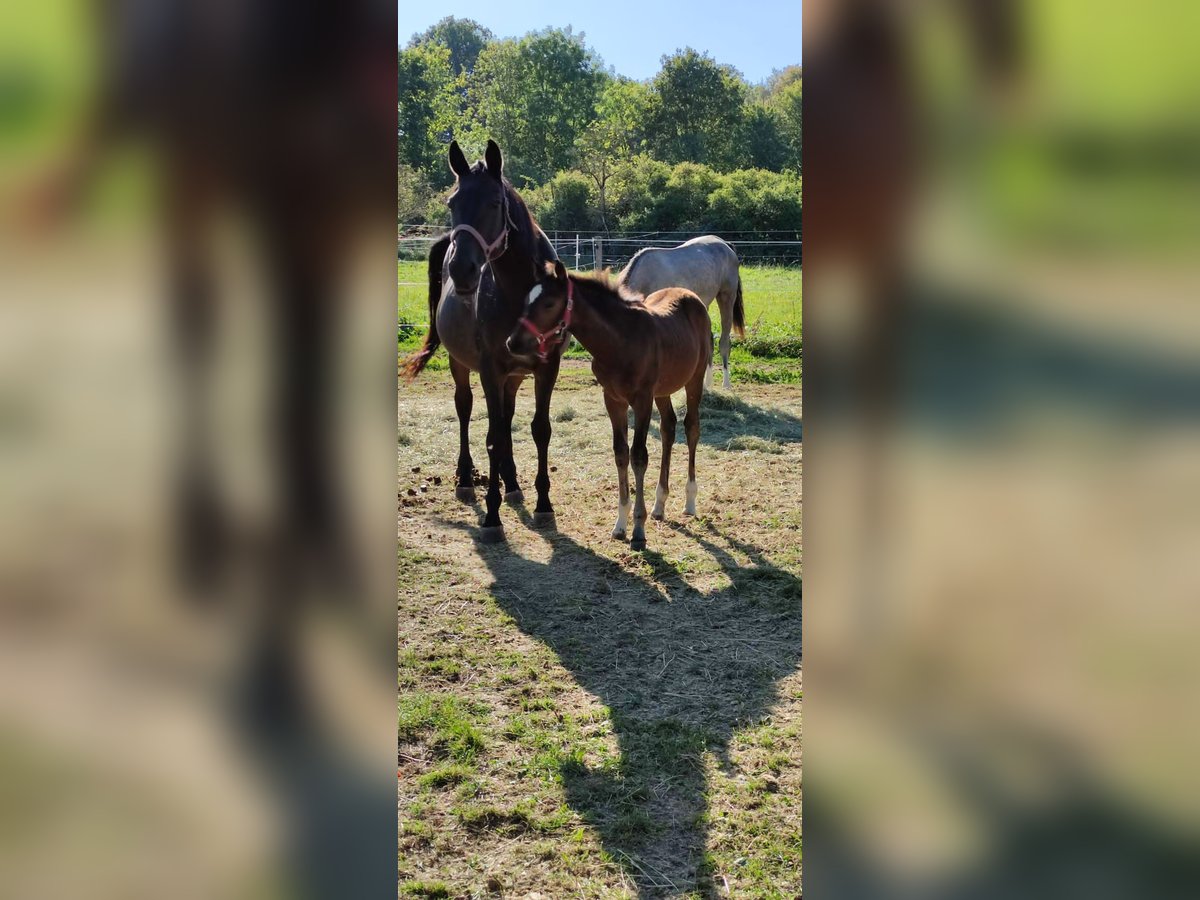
(643,350)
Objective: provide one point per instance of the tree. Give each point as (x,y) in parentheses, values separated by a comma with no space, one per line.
(534,96)
(766,147)
(697,113)
(784,94)
(464,38)
(595,150)
(780,79)
(624,107)
(424,88)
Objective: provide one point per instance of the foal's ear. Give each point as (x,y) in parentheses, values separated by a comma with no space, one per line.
(494,160)
(560,271)
(458,162)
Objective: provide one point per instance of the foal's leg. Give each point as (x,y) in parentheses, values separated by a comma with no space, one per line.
(618,414)
(508,468)
(543,386)
(640,458)
(463,401)
(666,426)
(691,426)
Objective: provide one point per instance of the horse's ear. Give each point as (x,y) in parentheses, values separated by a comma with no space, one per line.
(560,271)
(548,269)
(495,160)
(458,162)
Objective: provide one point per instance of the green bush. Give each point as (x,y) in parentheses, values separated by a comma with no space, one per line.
(684,205)
(634,192)
(568,201)
(757,200)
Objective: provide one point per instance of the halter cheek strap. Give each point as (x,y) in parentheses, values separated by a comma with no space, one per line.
(555,334)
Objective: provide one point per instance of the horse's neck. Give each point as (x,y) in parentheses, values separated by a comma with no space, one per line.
(515,269)
(594,330)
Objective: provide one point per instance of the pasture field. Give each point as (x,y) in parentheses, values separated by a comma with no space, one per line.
(579,720)
(770,353)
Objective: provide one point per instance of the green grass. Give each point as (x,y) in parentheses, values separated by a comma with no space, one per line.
(770,353)
(571,702)
(454,721)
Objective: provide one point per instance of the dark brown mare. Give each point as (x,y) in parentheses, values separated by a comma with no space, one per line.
(643,350)
(479,276)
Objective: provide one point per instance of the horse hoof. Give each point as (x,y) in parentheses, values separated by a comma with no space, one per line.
(491,534)
(465,494)
(618,535)
(514,497)
(657,516)
(637,544)
(544,520)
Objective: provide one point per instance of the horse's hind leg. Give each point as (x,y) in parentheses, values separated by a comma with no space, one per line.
(725,303)
(666,426)
(691,427)
(508,466)
(463,401)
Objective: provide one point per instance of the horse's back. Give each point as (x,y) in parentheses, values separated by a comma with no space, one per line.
(683,335)
(677,309)
(703,265)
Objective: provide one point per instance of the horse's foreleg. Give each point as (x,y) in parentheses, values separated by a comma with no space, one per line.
(508,468)
(666,425)
(543,387)
(691,427)
(463,402)
(499,447)
(618,414)
(640,459)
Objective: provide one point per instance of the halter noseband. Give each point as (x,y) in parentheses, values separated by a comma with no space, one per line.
(489,250)
(556,333)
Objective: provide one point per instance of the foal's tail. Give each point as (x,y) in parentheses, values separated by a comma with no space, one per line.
(739,312)
(415,362)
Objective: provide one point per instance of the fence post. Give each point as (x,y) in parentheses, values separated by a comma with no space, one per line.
(577,252)
(599,253)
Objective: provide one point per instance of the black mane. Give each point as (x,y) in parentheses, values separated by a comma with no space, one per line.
(521,217)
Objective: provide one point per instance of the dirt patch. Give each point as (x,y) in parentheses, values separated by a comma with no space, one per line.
(577,719)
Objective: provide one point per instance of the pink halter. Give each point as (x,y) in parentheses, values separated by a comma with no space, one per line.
(557,332)
(489,250)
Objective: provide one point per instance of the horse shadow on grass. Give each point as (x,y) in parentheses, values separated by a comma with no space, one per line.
(681,673)
(725,418)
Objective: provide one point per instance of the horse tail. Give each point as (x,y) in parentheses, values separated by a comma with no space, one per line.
(739,311)
(415,362)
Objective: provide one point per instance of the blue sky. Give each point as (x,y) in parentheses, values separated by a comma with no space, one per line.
(753,36)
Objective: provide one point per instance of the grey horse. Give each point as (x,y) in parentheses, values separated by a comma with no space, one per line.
(708,267)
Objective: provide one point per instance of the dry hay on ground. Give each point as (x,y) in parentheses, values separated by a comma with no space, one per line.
(576,719)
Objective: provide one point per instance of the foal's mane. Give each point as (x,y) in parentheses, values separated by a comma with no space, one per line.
(605,292)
